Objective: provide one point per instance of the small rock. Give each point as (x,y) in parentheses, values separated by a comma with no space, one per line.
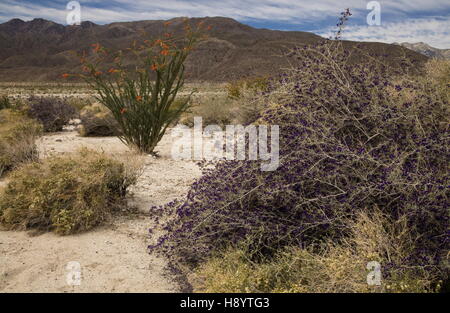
(75,122)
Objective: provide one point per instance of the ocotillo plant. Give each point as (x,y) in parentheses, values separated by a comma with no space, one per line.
(142,99)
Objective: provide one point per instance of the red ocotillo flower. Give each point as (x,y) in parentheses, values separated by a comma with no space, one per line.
(96,47)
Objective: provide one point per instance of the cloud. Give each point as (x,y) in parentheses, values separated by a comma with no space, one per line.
(121,10)
(435,32)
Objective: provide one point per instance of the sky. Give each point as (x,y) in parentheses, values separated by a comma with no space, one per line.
(400,20)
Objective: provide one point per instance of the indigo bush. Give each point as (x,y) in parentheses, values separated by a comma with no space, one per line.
(353,138)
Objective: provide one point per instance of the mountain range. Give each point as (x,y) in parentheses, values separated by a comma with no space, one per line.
(427,50)
(41,50)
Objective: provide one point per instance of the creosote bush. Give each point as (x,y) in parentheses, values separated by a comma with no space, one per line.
(52,112)
(18,134)
(351,141)
(97,120)
(65,194)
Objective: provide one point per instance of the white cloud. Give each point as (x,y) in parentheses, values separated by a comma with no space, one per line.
(435,32)
(124,10)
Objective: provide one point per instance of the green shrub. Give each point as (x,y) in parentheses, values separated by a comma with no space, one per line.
(5,103)
(18,134)
(65,194)
(97,120)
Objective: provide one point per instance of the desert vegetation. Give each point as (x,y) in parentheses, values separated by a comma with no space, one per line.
(237,88)
(363,176)
(333,267)
(65,194)
(97,120)
(5,103)
(52,112)
(236,104)
(142,100)
(363,173)
(18,134)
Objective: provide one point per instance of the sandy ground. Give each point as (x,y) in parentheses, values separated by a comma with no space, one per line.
(112,258)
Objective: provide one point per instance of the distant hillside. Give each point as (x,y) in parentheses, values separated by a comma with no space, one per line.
(427,50)
(43,50)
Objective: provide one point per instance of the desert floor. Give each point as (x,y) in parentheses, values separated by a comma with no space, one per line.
(113,257)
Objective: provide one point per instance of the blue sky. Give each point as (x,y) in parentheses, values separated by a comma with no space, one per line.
(401,20)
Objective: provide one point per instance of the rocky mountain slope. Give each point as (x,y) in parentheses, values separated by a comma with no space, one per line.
(43,50)
(427,50)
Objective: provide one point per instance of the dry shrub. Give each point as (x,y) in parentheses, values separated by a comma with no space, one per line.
(330,268)
(438,72)
(80,102)
(236,89)
(18,134)
(52,112)
(222,110)
(248,107)
(214,110)
(97,120)
(65,194)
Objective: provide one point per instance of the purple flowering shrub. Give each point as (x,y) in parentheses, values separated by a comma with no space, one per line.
(353,138)
(53,113)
